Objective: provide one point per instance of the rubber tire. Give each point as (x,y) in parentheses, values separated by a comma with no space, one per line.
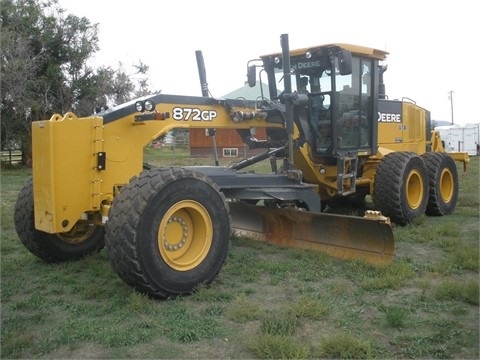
(443,182)
(134,222)
(401,187)
(52,247)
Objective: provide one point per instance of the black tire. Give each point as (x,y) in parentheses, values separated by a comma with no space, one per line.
(401,187)
(82,240)
(443,182)
(191,213)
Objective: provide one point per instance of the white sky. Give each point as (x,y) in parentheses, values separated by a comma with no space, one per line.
(433,45)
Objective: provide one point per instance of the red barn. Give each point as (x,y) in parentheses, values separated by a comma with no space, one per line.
(227,141)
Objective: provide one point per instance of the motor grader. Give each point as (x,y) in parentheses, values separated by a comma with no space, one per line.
(167,229)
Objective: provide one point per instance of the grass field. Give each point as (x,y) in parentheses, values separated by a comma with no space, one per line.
(266,302)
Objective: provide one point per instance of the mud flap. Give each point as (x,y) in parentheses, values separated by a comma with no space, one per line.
(346,237)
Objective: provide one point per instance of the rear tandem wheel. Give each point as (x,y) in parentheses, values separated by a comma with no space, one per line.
(168,232)
(443,181)
(401,187)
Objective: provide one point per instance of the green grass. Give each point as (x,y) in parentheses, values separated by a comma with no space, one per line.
(268,346)
(266,303)
(345,346)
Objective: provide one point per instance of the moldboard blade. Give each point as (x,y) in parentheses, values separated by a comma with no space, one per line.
(346,237)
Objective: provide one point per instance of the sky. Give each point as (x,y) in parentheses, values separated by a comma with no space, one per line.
(433,46)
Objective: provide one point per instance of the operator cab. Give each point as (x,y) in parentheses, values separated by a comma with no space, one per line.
(341,82)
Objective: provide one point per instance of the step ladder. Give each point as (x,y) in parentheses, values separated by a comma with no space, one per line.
(346,173)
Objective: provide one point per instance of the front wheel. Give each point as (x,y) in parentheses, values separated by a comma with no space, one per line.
(82,240)
(168,232)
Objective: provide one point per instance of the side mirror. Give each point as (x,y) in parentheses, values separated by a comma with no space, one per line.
(345,62)
(252,75)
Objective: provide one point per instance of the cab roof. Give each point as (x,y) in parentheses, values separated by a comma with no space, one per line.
(354,49)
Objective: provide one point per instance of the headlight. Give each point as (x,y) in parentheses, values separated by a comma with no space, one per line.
(139,106)
(149,105)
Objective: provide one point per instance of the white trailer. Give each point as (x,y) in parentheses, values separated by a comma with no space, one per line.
(471,138)
(463,139)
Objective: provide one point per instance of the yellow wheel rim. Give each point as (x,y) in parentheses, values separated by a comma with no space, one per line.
(414,189)
(446,185)
(185,235)
(80,232)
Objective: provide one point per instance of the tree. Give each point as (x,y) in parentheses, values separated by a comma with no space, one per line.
(44,68)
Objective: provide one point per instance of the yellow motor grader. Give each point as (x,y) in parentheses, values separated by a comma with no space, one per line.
(167,229)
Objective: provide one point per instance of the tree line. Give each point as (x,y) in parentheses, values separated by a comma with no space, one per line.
(45,53)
